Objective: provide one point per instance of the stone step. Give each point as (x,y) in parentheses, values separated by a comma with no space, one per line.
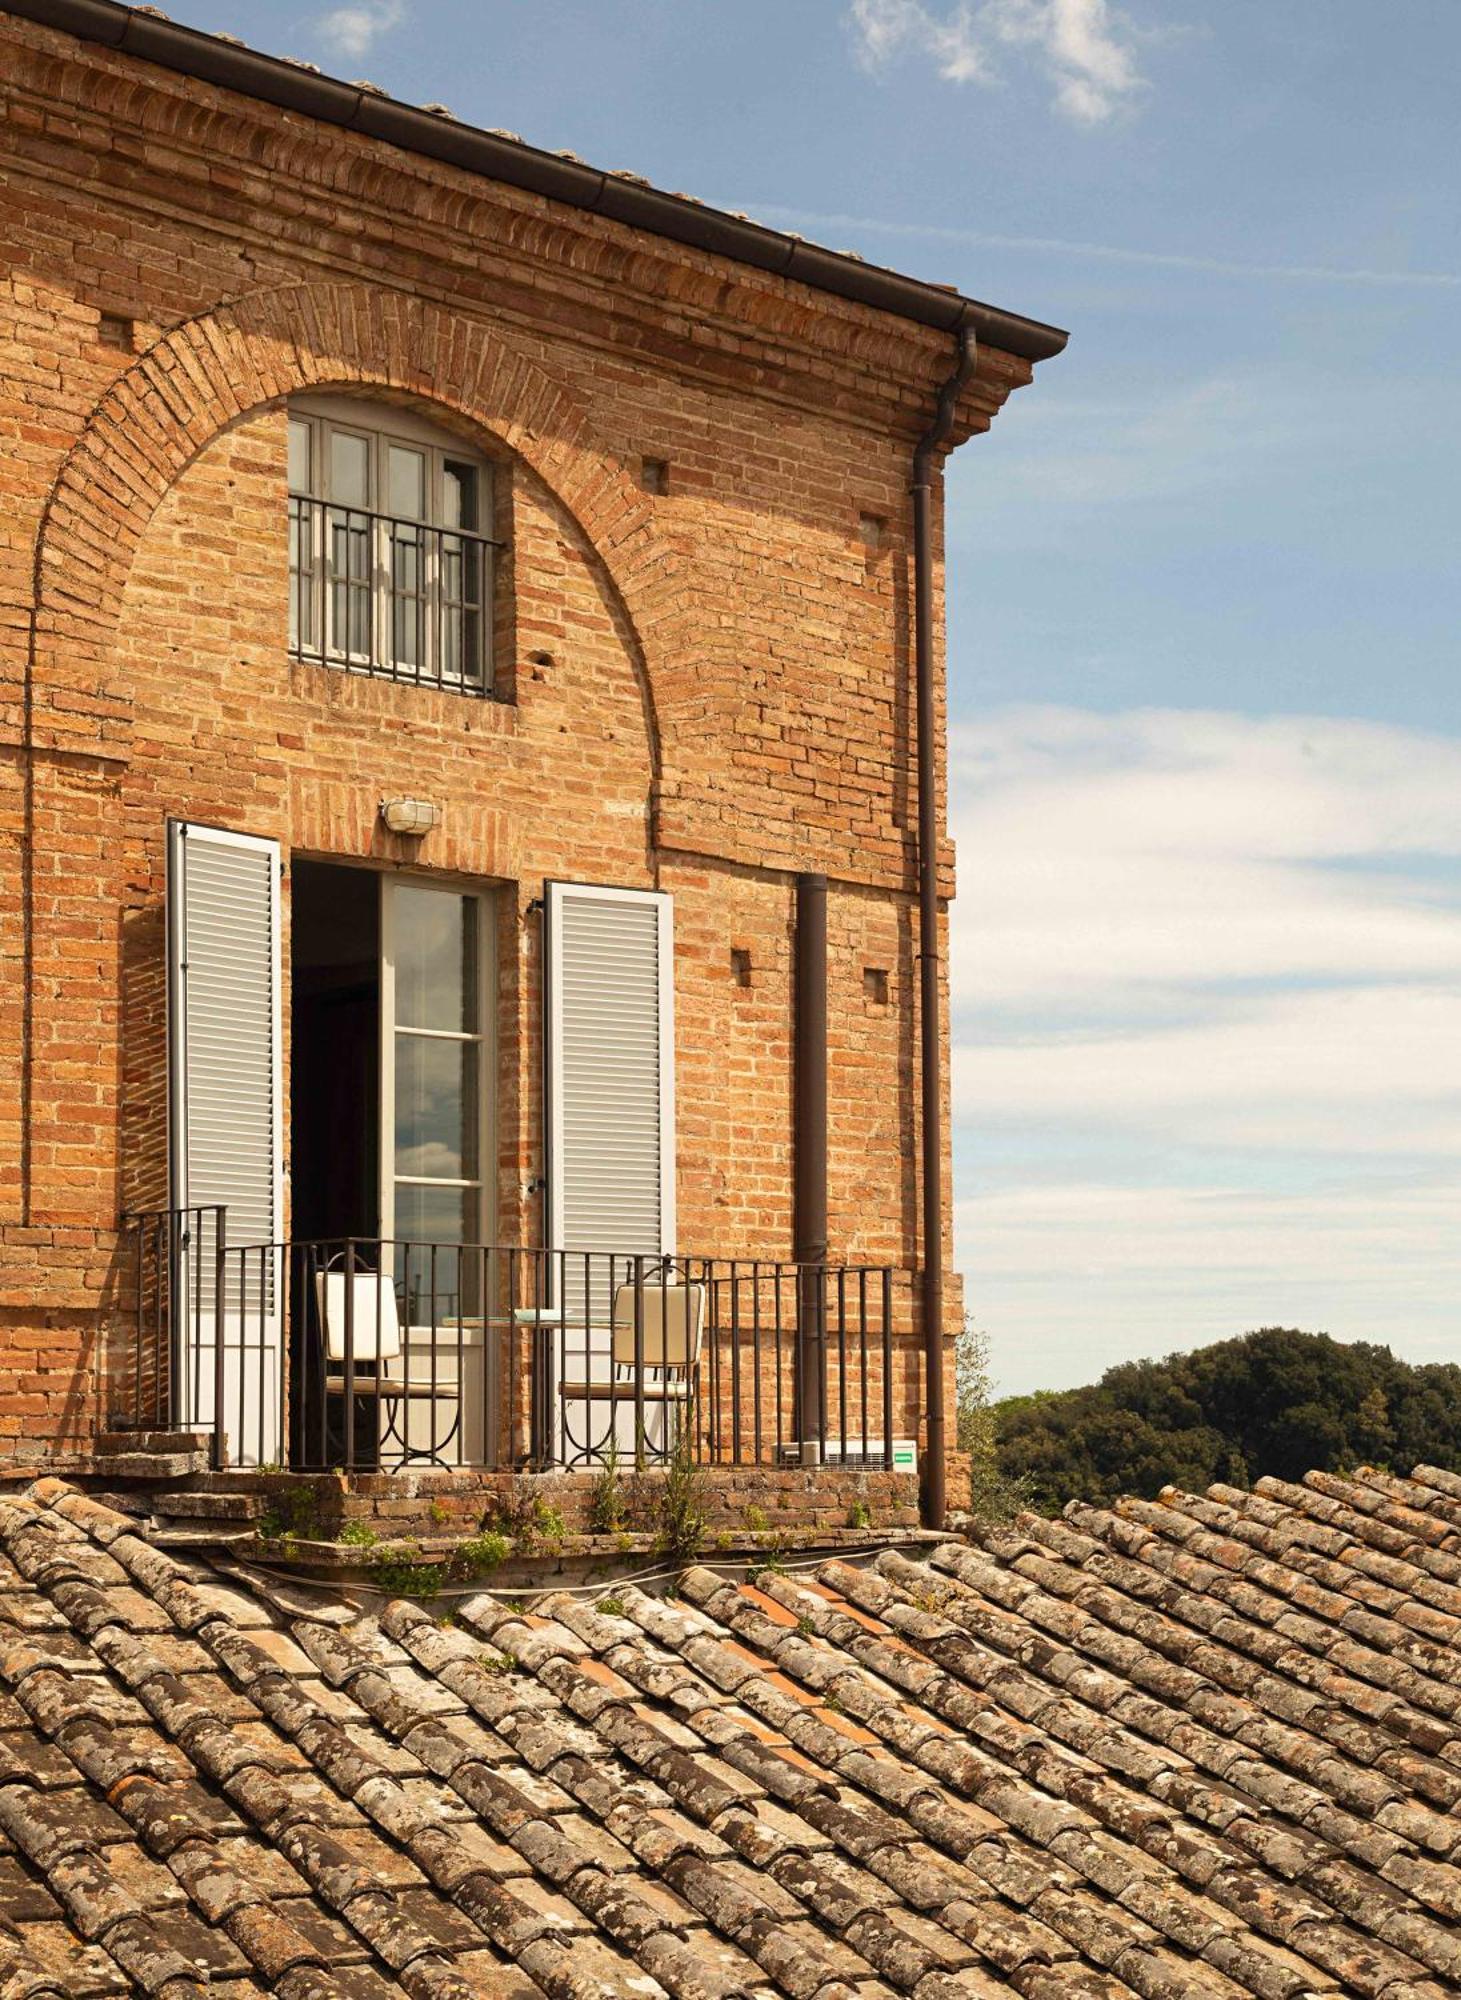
(204,1535)
(122,1444)
(151,1465)
(192,1506)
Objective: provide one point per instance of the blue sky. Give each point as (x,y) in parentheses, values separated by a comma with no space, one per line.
(1204,593)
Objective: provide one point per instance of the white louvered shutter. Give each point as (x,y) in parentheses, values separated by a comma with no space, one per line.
(225,1111)
(611,1089)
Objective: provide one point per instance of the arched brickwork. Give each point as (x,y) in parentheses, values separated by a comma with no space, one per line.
(208,372)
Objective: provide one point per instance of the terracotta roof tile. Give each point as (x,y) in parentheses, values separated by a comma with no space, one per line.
(1208,1746)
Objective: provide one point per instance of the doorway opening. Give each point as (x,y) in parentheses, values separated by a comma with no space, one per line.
(389,1101)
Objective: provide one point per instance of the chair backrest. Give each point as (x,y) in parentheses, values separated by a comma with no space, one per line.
(376,1325)
(673,1318)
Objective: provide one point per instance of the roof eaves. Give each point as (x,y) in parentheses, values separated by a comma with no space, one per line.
(148,35)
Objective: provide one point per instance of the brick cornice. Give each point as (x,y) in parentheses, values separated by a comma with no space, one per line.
(491,247)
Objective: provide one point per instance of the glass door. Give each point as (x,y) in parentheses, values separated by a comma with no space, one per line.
(435,1120)
(433,1073)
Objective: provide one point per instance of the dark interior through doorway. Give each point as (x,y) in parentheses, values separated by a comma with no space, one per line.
(334,1091)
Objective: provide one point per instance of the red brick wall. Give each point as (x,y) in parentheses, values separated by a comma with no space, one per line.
(726,698)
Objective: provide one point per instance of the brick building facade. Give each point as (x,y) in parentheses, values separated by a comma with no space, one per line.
(596,539)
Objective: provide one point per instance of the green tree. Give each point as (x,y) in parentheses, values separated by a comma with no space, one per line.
(995,1497)
(1275,1402)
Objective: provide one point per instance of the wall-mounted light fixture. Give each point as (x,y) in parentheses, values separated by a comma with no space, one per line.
(412,817)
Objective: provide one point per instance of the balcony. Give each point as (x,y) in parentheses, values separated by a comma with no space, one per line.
(387,596)
(367,1355)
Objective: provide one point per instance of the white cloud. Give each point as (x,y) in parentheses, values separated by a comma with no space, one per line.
(352,31)
(1082,45)
(1233,944)
(1355,1071)
(1176,851)
(1073,1277)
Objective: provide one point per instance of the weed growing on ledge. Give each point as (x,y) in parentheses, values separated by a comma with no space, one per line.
(289,1517)
(773,1563)
(525,1516)
(401,1571)
(683,1516)
(608,1503)
(860,1515)
(476,1556)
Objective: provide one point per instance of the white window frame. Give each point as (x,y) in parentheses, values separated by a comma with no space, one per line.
(381,426)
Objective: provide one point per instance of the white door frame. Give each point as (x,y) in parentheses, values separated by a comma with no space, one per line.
(423,1422)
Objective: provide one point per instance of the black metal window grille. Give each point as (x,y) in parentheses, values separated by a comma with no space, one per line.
(405,595)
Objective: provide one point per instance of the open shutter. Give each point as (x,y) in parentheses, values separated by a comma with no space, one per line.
(225,1123)
(610,1070)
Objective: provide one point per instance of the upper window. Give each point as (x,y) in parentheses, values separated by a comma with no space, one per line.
(390,562)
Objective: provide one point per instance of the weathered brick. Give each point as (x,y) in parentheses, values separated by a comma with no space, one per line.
(704,689)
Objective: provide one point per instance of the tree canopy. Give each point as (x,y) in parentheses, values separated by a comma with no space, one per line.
(1276,1402)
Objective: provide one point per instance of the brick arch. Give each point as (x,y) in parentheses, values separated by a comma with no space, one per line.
(204,375)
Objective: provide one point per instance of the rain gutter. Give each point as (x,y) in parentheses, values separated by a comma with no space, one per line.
(436,135)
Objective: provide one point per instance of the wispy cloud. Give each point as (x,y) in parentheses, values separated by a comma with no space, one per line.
(1075,1275)
(1232,945)
(1115,253)
(1155,442)
(352,31)
(1116,862)
(1082,46)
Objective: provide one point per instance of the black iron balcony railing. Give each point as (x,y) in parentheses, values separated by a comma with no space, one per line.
(372,1355)
(376,594)
(163,1338)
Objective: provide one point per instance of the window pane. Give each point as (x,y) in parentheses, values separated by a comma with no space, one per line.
(349,469)
(435,1215)
(436,1108)
(408,594)
(388,573)
(440,1286)
(434,946)
(300,441)
(407,482)
(459,495)
(348,544)
(435,1287)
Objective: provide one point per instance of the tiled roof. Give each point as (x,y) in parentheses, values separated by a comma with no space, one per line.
(1199,1747)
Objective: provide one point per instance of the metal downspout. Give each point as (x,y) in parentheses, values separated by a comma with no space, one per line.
(809,1164)
(931,445)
